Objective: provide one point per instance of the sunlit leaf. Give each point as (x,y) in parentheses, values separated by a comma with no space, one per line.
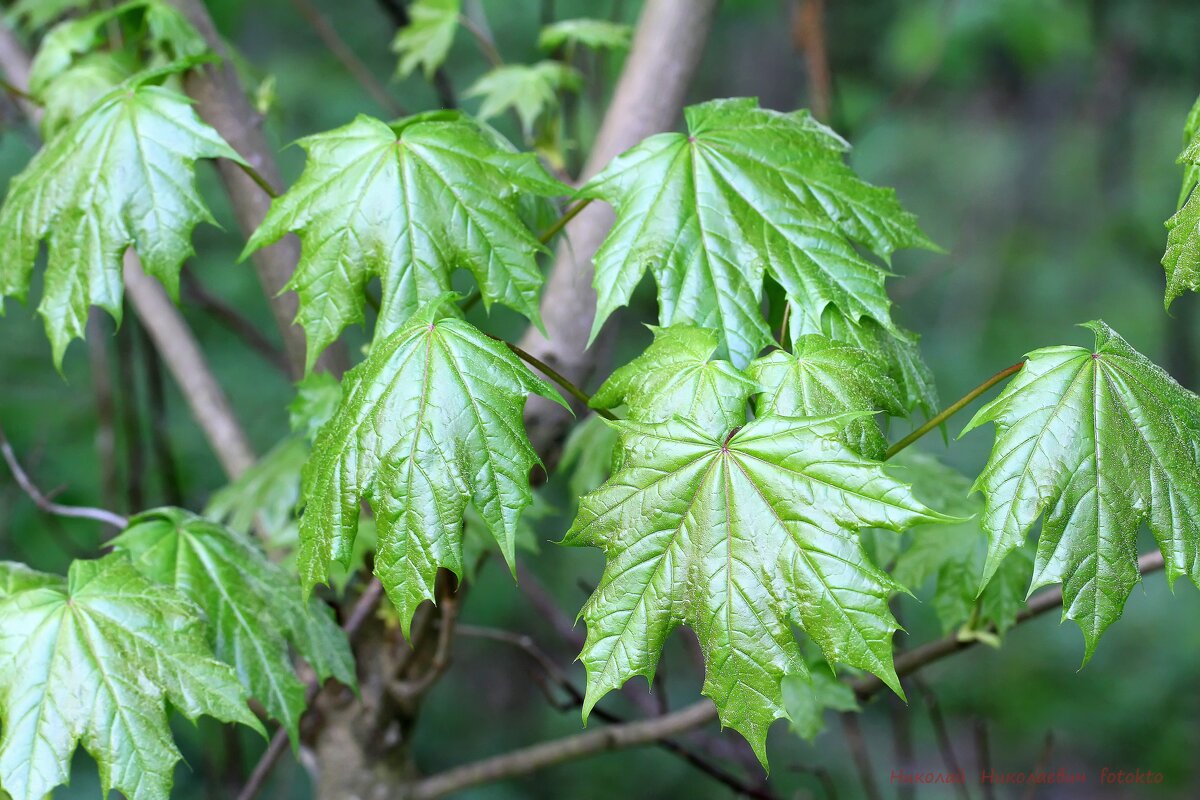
(431,420)
(1100,441)
(740,534)
(93,660)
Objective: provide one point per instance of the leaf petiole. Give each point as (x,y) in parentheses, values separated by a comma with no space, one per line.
(951,410)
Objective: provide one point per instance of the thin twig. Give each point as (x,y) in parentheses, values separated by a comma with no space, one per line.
(580,745)
(808,36)
(98,336)
(857,744)
(557,377)
(1040,767)
(983,757)
(900,716)
(950,411)
(47,505)
(549,608)
(131,421)
(233,320)
(487,45)
(363,609)
(942,735)
(343,53)
(160,437)
(448,607)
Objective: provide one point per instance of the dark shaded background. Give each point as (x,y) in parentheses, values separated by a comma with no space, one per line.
(1035,139)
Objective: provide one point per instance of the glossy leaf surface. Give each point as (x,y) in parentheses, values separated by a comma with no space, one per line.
(1100,441)
(746,193)
(431,420)
(409,203)
(93,660)
(120,176)
(740,535)
(254,608)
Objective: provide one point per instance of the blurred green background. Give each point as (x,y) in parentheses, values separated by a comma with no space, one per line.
(1035,139)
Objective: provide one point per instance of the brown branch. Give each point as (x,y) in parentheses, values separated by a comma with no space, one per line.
(664,56)
(47,505)
(343,53)
(942,736)
(185,360)
(914,660)
(808,36)
(363,609)
(581,745)
(448,607)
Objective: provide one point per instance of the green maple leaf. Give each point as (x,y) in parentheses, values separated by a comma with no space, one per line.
(598,34)
(254,608)
(425,41)
(1182,257)
(93,659)
(34,14)
(529,89)
(953,555)
(740,535)
(78,88)
(589,455)
(432,419)
(1100,441)
(898,349)
(822,376)
(746,192)
(121,175)
(409,202)
(166,35)
(676,376)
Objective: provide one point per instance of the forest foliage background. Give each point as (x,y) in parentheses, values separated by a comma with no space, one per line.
(1035,139)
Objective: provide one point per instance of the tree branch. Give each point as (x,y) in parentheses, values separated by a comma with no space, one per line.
(552,671)
(368,601)
(582,745)
(649,96)
(911,661)
(195,292)
(343,53)
(44,503)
